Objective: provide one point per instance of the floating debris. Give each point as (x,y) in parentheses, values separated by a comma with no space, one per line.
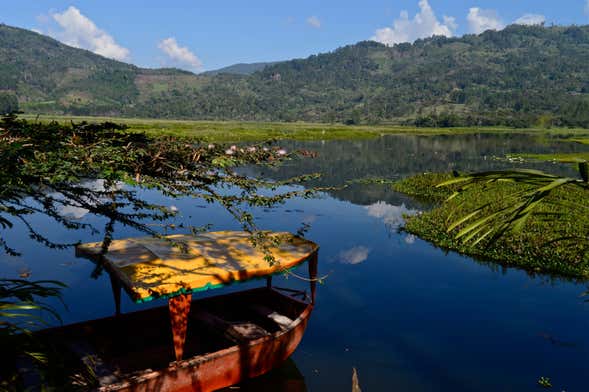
(25,273)
(355,381)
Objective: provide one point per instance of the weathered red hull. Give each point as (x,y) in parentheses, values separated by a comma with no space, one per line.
(211,368)
(223,368)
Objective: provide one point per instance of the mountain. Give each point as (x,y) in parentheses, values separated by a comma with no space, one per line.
(240,68)
(519,76)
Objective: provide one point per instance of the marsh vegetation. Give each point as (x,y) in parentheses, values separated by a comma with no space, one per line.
(371,265)
(554,238)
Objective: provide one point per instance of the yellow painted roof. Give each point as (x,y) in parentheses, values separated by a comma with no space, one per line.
(149,267)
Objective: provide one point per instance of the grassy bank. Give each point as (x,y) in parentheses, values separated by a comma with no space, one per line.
(555,157)
(535,249)
(580,140)
(234,131)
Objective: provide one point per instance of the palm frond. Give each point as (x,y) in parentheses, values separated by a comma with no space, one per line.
(514,211)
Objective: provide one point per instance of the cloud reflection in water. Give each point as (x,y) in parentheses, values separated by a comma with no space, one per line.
(355,255)
(391,215)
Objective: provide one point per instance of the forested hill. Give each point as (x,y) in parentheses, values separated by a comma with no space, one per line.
(522,75)
(241,68)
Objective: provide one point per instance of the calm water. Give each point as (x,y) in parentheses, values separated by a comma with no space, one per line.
(408,316)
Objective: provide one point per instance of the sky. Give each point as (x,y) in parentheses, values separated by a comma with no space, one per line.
(200,35)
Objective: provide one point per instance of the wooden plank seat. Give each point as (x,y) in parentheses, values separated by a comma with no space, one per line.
(238,332)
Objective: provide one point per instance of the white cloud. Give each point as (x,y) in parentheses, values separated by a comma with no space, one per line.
(450,22)
(480,20)
(74,210)
(79,31)
(587,8)
(424,24)
(410,239)
(314,21)
(180,55)
(355,255)
(391,215)
(531,19)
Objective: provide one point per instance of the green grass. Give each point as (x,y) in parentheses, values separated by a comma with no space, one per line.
(235,131)
(532,249)
(420,186)
(580,140)
(571,157)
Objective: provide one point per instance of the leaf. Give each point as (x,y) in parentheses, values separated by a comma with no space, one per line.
(476,224)
(464,219)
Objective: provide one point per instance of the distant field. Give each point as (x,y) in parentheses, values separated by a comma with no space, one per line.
(234,131)
(572,157)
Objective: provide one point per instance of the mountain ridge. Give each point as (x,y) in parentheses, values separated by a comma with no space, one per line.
(519,76)
(241,68)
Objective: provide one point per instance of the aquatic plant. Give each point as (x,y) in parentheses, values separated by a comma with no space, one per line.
(520,205)
(483,215)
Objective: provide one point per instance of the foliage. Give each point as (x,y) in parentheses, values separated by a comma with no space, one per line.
(544,382)
(46,167)
(420,186)
(570,157)
(519,207)
(544,246)
(581,140)
(8,102)
(248,131)
(517,77)
(240,69)
(20,311)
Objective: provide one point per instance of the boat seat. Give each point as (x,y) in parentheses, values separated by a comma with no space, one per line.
(246,331)
(280,320)
(237,332)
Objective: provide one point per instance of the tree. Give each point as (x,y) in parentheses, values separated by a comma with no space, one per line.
(8,103)
(46,167)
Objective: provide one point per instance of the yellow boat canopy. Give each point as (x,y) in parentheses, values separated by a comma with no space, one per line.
(150,268)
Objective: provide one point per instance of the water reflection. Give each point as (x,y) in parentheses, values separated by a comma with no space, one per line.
(392,216)
(410,316)
(72,209)
(286,378)
(355,255)
(398,156)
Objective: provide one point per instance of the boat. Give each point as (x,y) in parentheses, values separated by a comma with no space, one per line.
(192,345)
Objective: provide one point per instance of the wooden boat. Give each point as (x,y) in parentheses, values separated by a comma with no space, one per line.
(217,341)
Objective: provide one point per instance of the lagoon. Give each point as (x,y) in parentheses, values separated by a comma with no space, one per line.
(407,315)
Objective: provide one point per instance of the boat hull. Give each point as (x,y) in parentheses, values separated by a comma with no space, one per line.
(213,359)
(223,368)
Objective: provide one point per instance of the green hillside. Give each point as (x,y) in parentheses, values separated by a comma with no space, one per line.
(520,76)
(240,68)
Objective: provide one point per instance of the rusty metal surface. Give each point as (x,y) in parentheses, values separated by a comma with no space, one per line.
(222,368)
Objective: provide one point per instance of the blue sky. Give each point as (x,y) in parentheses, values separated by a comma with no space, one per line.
(205,35)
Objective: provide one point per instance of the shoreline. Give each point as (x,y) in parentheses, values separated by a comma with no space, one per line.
(236,131)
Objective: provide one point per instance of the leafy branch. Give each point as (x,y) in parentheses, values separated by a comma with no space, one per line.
(491,221)
(46,168)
